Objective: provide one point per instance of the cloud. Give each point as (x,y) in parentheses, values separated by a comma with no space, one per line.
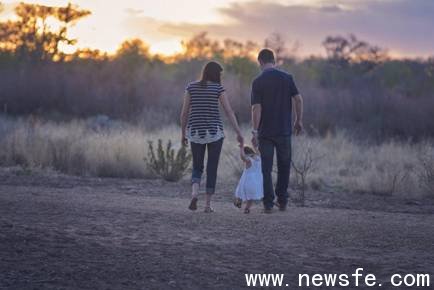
(134,12)
(146,27)
(403,26)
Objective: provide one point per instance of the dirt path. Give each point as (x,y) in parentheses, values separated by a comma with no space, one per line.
(111,234)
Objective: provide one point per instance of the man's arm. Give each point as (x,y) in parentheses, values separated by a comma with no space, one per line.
(256,118)
(256,101)
(298,109)
(256,115)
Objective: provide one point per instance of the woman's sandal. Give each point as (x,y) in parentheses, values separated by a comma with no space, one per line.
(238,202)
(193,204)
(246,210)
(208,209)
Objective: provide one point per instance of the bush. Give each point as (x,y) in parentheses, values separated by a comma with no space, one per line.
(305,159)
(427,173)
(167,164)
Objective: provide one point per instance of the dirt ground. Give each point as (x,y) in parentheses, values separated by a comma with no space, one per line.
(60,232)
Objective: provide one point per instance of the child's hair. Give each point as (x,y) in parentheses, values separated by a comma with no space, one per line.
(249,150)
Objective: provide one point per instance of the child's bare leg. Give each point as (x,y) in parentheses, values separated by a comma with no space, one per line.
(238,202)
(248,205)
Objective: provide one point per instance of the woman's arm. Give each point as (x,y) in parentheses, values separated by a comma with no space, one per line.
(184,117)
(231,115)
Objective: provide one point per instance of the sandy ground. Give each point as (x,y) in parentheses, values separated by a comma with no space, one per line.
(60,232)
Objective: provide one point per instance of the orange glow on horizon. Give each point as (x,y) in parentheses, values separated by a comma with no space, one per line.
(113,22)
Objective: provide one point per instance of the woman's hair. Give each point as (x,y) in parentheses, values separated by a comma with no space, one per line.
(212,72)
(249,150)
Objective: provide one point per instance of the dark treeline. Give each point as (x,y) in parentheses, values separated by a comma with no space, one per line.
(356,87)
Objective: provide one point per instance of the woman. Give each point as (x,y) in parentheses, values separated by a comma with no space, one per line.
(201,124)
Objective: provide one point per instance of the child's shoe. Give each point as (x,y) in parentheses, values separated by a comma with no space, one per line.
(238,202)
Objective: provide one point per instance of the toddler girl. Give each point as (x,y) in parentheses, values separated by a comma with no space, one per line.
(250,186)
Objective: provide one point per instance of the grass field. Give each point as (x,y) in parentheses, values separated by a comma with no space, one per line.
(105,148)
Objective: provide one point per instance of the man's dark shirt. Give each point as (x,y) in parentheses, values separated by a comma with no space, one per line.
(273,89)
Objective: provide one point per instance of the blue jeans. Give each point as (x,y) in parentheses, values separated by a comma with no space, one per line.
(282,145)
(198,152)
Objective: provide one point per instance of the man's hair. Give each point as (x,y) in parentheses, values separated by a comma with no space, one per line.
(266,56)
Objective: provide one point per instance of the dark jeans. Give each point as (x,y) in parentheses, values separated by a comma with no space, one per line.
(282,145)
(198,152)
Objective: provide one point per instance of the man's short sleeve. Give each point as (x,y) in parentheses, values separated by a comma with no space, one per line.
(256,94)
(293,90)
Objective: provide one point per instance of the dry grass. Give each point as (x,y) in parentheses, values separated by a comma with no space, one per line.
(112,149)
(343,165)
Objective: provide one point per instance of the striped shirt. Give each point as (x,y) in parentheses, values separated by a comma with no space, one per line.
(204,121)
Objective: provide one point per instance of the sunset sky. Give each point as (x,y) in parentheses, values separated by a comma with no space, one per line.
(405,27)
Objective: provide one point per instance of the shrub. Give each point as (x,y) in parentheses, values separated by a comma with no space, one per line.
(427,173)
(165,163)
(303,162)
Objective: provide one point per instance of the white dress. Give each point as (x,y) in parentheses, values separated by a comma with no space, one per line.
(250,186)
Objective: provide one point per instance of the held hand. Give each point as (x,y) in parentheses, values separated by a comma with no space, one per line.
(298,127)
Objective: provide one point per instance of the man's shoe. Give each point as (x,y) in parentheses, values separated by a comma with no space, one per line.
(268,210)
(281,206)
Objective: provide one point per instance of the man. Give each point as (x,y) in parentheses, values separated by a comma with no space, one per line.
(273,93)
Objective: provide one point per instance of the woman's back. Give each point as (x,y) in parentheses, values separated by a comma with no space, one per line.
(204,121)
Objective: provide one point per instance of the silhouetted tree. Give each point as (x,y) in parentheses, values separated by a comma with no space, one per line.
(132,84)
(133,52)
(233,48)
(87,54)
(342,50)
(31,37)
(284,54)
(276,42)
(201,47)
